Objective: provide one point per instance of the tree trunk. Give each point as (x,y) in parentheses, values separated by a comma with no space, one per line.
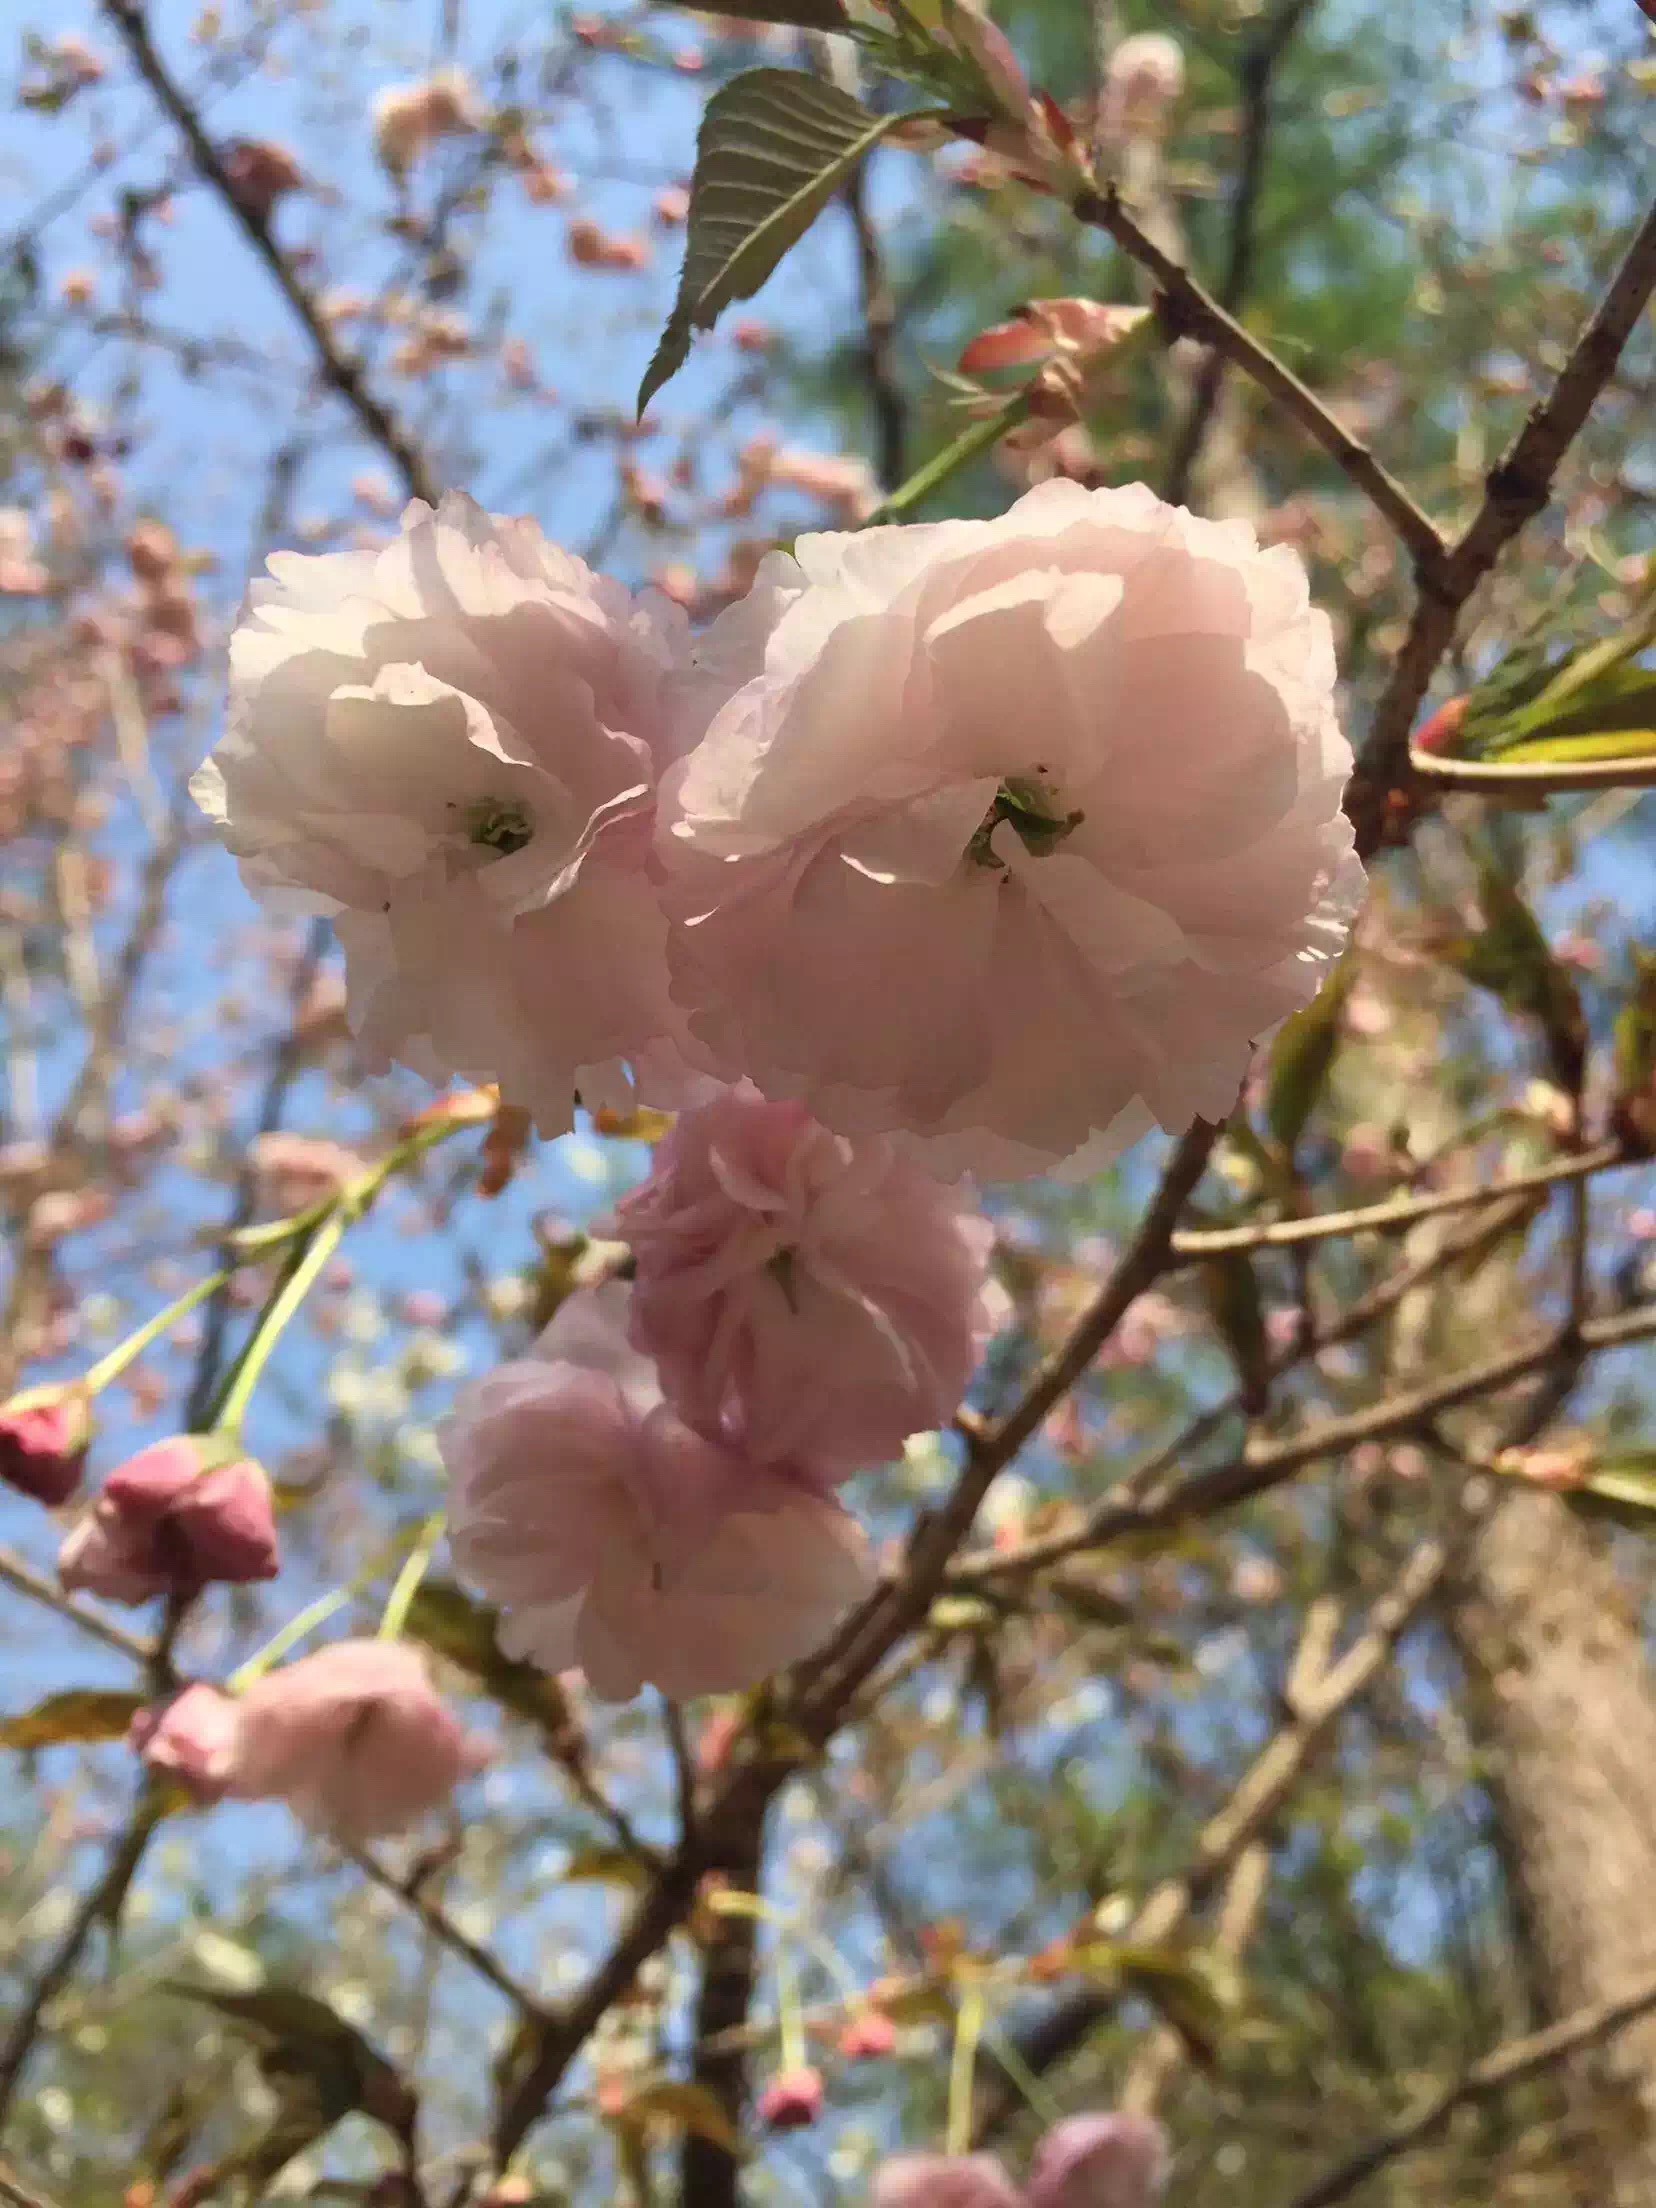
(1566,1712)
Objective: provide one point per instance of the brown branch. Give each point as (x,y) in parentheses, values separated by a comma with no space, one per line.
(1254,1471)
(16,2195)
(1506,2066)
(1515,491)
(1258,66)
(442,1927)
(15,1573)
(1189,311)
(339,371)
(709,2174)
(1401,1211)
(101,1900)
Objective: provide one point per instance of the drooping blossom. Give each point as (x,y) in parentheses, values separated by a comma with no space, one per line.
(806,1296)
(1078,844)
(618,1539)
(175,1518)
(1100,2161)
(943,2181)
(43,1443)
(450,744)
(354,1738)
(190,1738)
(791,2100)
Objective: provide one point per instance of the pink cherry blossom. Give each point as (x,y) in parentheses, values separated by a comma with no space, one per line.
(450,745)
(617,1539)
(1077,847)
(191,1738)
(172,1520)
(1102,2161)
(806,1296)
(943,2181)
(354,1738)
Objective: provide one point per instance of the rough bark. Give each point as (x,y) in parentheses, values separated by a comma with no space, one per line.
(1566,1711)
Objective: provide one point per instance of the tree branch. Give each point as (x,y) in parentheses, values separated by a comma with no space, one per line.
(1189,311)
(1259,62)
(1515,491)
(1506,2066)
(339,370)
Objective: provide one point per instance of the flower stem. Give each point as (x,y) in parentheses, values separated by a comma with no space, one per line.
(299,1276)
(789,2013)
(415,1567)
(976,438)
(115,1363)
(968,2030)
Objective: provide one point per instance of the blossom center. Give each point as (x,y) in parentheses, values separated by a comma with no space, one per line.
(499,824)
(1035,813)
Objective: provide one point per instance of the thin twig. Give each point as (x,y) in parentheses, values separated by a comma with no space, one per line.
(442,1926)
(1506,2066)
(339,370)
(1515,491)
(1258,67)
(1402,1211)
(1189,311)
(27,1581)
(878,350)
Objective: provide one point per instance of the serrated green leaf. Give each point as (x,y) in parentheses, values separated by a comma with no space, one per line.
(773,148)
(77,1714)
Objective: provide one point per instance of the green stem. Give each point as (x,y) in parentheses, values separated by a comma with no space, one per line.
(290,1635)
(296,1283)
(115,1363)
(968,2031)
(790,2015)
(407,1586)
(977,438)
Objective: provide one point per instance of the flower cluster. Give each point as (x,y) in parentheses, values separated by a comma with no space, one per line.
(976,848)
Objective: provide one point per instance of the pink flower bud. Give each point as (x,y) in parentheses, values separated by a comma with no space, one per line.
(170,1521)
(354,1739)
(867,2036)
(1105,2161)
(943,2181)
(190,1738)
(43,1440)
(791,2099)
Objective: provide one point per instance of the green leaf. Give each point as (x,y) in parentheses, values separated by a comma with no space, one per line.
(1231,1289)
(1302,1057)
(309,2052)
(773,148)
(79,1713)
(686,2107)
(1513,961)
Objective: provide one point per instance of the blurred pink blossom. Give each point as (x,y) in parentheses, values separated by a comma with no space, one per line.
(191,1738)
(354,1738)
(1104,2161)
(943,2181)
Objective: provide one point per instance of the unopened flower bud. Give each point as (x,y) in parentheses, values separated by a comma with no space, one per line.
(43,1438)
(190,1738)
(792,2099)
(171,1520)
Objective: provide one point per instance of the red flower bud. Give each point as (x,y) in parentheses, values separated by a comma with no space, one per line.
(791,2099)
(43,1438)
(867,2035)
